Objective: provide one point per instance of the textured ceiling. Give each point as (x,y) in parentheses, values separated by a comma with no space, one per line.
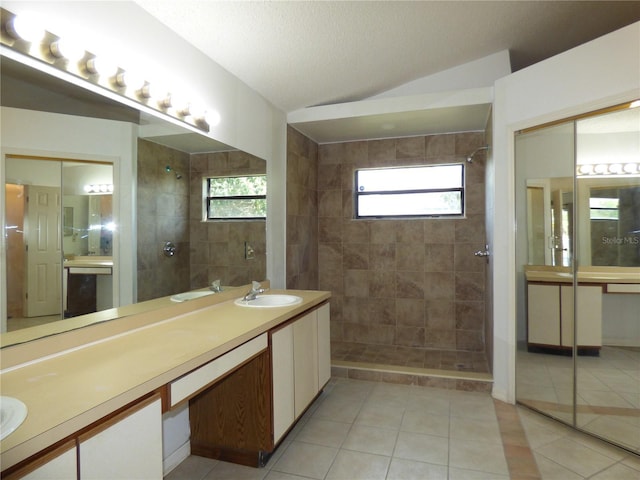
(306,53)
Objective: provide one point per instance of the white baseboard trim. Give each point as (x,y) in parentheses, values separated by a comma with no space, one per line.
(176,458)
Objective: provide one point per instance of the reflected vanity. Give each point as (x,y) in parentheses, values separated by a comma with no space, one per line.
(578,251)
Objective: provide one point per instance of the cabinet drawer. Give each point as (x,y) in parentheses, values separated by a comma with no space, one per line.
(623,288)
(191,383)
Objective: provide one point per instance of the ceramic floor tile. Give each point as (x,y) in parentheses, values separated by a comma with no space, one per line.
(383,417)
(401,469)
(231,471)
(550,470)
(337,410)
(283,476)
(323,432)
(362,429)
(307,460)
(436,405)
(363,438)
(350,465)
(463,474)
(617,472)
(192,468)
(475,430)
(423,448)
(429,424)
(477,455)
(576,457)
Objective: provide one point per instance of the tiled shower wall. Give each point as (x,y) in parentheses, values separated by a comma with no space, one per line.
(402,282)
(163,216)
(302,211)
(218,248)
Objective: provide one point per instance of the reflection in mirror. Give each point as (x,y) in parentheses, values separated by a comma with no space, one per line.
(589,307)
(550,221)
(167,208)
(44,199)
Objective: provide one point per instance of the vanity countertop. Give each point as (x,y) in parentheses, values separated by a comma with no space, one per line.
(67,392)
(543,273)
(88,261)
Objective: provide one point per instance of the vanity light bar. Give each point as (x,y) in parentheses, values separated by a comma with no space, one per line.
(608,169)
(26,36)
(99,188)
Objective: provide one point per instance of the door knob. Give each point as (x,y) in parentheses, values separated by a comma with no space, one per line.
(481,253)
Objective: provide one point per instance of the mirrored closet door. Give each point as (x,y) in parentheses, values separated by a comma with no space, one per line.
(578,257)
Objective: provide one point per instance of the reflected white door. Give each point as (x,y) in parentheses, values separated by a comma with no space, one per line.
(43,233)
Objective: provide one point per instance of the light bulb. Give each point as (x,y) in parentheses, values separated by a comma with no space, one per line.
(585,169)
(66,48)
(630,167)
(103,66)
(212,117)
(615,168)
(130,79)
(600,168)
(25,27)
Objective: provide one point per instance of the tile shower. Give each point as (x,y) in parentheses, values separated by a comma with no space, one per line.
(405,292)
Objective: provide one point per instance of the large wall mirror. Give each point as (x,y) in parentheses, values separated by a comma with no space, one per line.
(85,242)
(578,257)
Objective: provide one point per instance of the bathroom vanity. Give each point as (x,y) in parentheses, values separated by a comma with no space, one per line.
(95,410)
(550,301)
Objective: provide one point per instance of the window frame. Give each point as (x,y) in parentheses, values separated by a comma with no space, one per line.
(208,198)
(461,189)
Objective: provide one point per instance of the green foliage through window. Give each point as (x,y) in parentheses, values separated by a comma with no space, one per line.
(235,198)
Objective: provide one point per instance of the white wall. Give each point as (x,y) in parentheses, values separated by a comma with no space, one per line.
(600,73)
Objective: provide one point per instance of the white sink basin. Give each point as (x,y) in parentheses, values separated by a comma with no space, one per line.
(269,301)
(183,297)
(12,414)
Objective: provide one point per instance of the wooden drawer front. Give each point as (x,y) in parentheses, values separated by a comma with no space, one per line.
(198,379)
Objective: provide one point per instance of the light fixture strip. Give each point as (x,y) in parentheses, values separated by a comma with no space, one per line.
(52,49)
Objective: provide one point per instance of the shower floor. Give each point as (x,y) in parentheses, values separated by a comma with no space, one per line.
(414,358)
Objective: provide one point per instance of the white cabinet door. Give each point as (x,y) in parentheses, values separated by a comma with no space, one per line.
(283,390)
(305,361)
(324,345)
(543,314)
(589,315)
(128,446)
(60,464)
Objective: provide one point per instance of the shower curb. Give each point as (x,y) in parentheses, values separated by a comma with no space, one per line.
(425,377)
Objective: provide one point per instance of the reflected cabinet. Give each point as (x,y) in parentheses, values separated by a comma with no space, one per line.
(578,271)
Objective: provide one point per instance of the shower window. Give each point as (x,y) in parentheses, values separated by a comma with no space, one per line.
(405,192)
(236,198)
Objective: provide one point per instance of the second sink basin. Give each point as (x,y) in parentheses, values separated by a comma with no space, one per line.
(12,414)
(266,301)
(183,297)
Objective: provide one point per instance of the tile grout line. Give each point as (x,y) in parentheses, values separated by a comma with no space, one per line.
(517,451)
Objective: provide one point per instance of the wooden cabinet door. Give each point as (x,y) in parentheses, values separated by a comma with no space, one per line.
(127,446)
(283,389)
(543,314)
(305,361)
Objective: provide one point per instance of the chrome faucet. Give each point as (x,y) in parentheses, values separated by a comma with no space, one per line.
(256,289)
(215,286)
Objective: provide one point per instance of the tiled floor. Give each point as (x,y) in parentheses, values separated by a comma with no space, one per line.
(367,430)
(410,357)
(607,396)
